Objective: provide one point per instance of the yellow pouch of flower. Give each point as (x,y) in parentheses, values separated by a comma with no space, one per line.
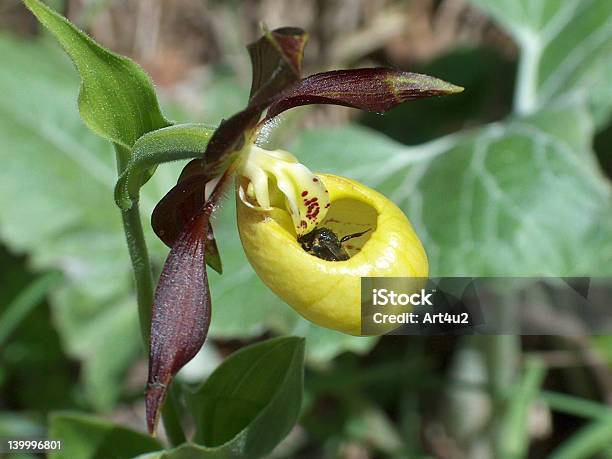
(325,292)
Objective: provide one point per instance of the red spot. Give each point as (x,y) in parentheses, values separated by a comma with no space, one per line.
(304,193)
(315,180)
(327,205)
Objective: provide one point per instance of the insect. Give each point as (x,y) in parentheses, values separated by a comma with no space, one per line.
(324,243)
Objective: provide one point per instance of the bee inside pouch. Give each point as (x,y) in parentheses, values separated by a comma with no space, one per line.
(345,217)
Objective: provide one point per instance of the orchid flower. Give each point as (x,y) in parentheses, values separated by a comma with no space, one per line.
(279,202)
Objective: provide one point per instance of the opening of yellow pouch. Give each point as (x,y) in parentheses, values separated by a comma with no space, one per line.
(345,217)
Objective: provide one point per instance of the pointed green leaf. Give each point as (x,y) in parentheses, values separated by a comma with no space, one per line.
(253,399)
(117,99)
(89,437)
(248,405)
(172,143)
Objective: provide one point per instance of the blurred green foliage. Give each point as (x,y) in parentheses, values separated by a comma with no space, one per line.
(488,79)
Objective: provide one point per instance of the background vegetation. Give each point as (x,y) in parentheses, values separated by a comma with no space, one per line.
(509,178)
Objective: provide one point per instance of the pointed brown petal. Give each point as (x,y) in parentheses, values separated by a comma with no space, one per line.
(186,199)
(178,208)
(371,89)
(181,314)
(229,138)
(276,59)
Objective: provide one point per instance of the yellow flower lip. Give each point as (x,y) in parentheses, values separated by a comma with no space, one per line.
(328,293)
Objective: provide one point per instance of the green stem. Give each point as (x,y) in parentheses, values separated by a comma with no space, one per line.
(502,355)
(141,266)
(514,439)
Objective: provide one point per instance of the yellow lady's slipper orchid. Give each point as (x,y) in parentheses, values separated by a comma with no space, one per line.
(328,292)
(288,217)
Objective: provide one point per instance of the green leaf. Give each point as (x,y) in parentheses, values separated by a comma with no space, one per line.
(172,143)
(252,400)
(248,405)
(565,48)
(117,99)
(88,437)
(20,424)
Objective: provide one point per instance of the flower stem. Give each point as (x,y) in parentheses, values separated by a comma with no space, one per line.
(141,266)
(139,256)
(502,354)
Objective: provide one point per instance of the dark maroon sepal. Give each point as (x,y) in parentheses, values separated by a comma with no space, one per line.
(276,58)
(370,89)
(181,306)
(181,314)
(178,208)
